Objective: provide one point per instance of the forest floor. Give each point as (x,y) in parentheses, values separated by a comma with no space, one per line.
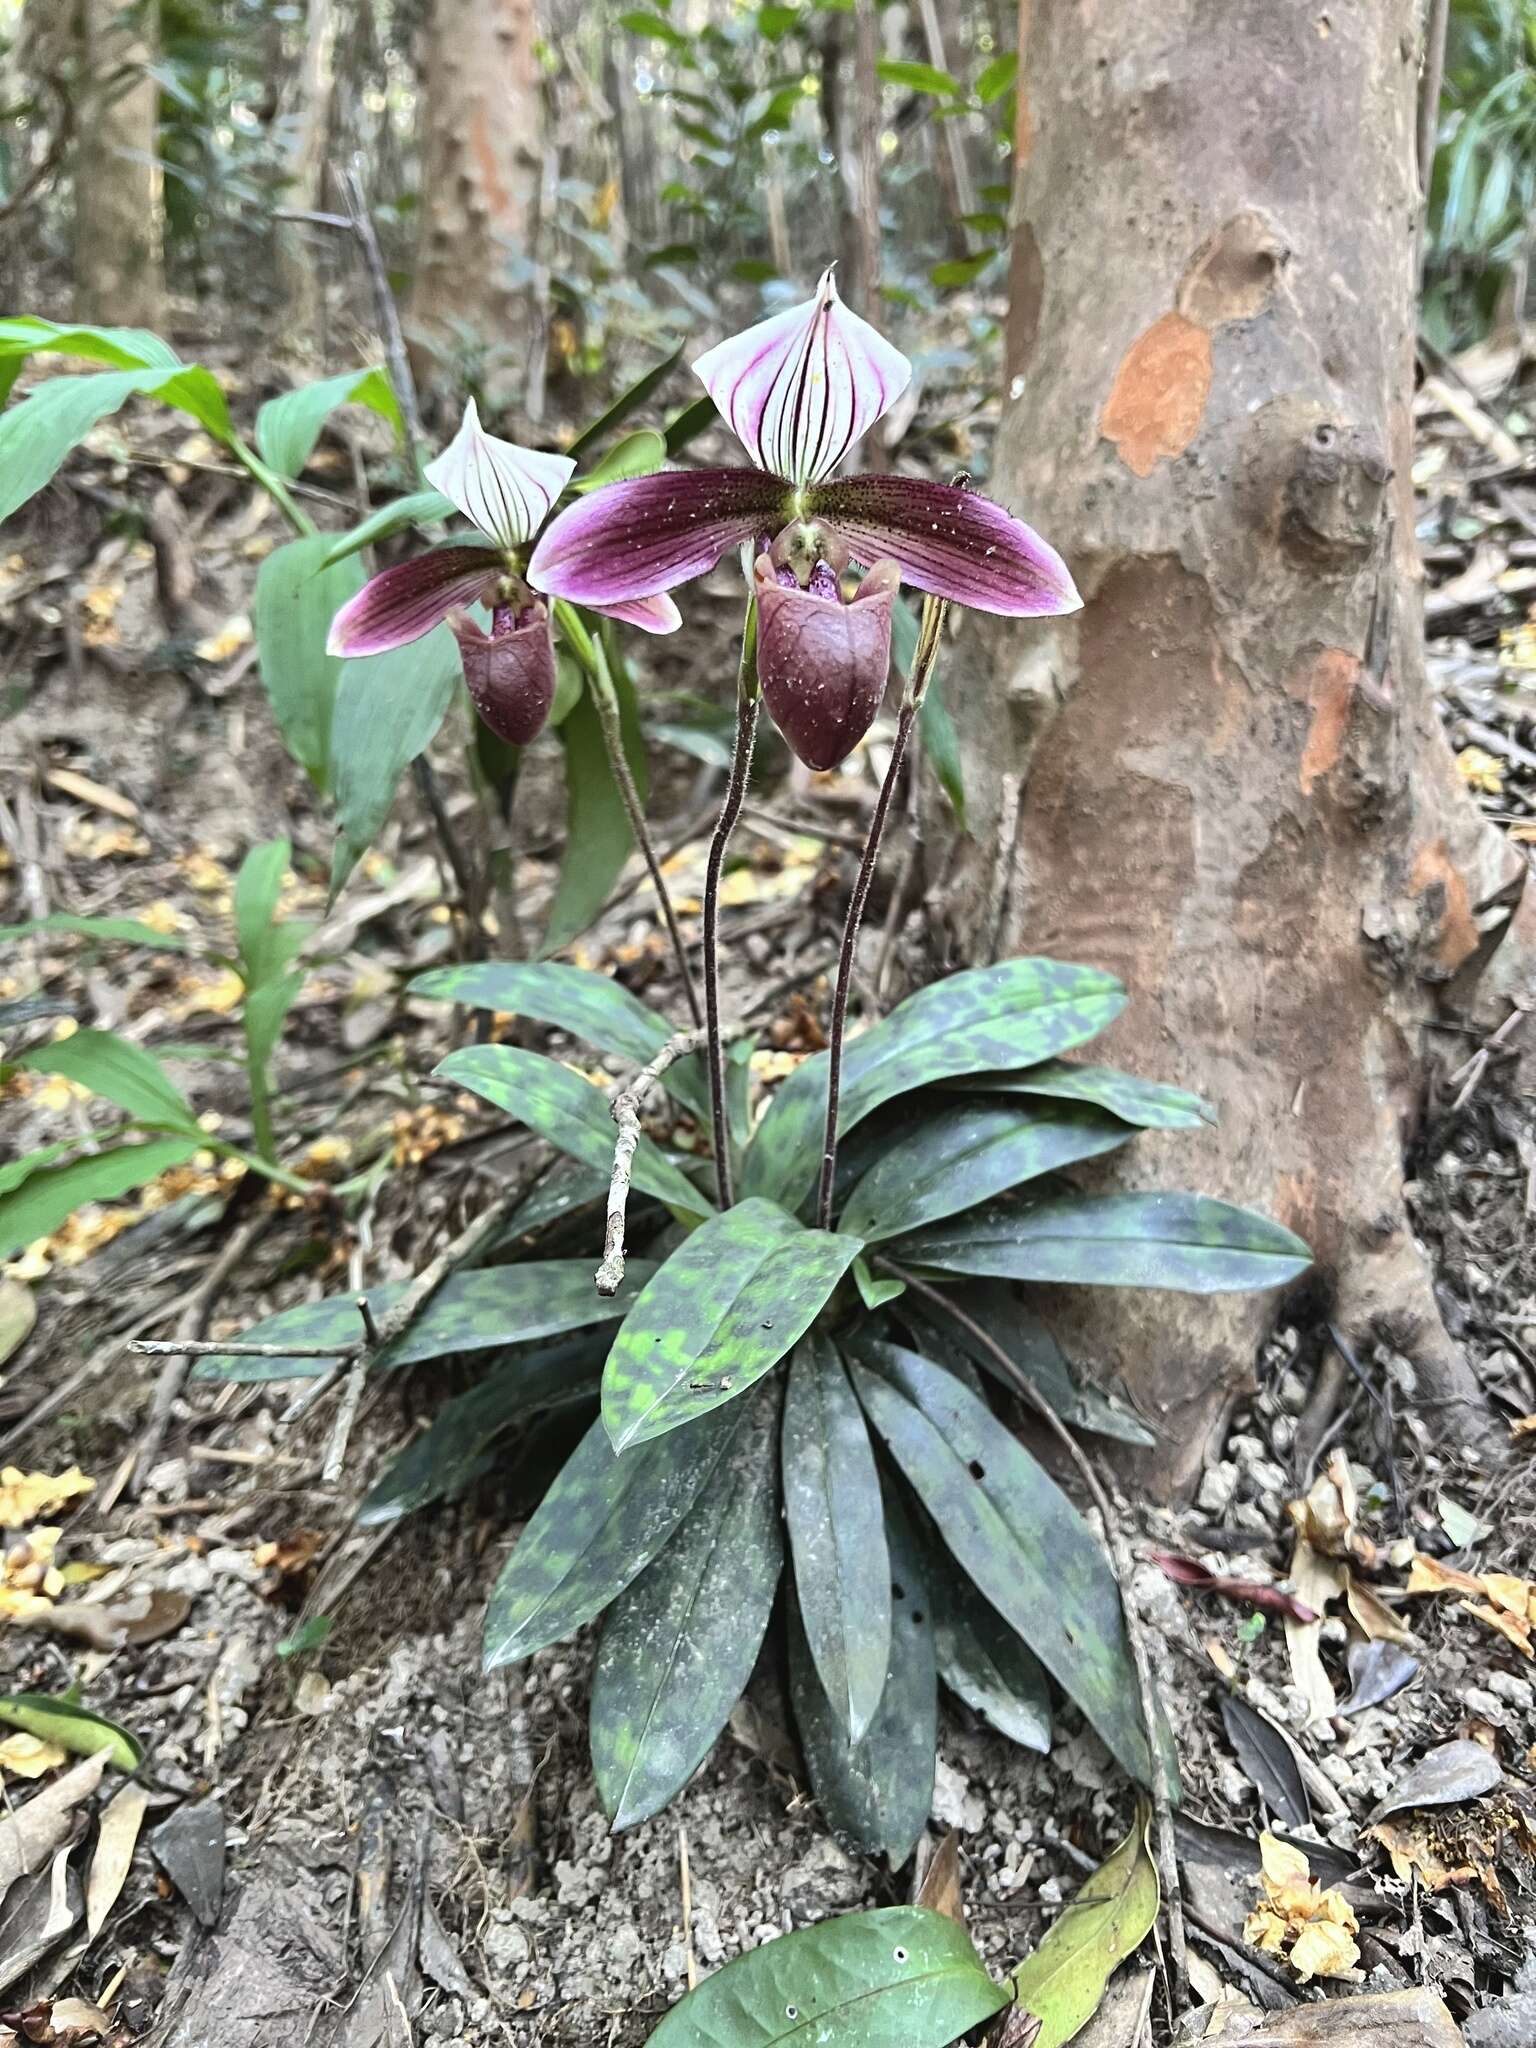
(413,1851)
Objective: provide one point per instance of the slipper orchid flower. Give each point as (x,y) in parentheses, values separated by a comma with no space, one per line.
(799,390)
(507,493)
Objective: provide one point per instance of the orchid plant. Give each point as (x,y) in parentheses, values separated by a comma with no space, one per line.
(812,1379)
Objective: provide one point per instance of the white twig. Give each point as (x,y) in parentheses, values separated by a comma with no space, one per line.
(625,1110)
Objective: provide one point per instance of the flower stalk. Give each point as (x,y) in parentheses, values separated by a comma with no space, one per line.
(929,634)
(748,697)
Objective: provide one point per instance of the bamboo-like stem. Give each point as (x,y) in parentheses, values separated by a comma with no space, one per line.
(917,682)
(747,699)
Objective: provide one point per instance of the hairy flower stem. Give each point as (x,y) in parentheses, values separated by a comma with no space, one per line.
(747,700)
(922,668)
(590,652)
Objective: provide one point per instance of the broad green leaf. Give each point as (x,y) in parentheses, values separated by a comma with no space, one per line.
(1011,1015)
(722,1311)
(627,402)
(918,77)
(1014,1532)
(47,1196)
(876,1792)
(288,427)
(388,709)
(266,947)
(574,999)
(126,929)
(638,454)
(1153,1105)
(962,270)
(570,1112)
(120,1071)
(458,1446)
(262,1020)
(985,1663)
(14,1171)
(679,1644)
(296,599)
(941,744)
(900,1977)
(121,348)
(1064,1981)
(598,840)
(416,508)
(596,1529)
(873,1291)
(953,1159)
(685,427)
(71,1727)
(997,77)
(478,1311)
(1190,1243)
(37,433)
(836,1524)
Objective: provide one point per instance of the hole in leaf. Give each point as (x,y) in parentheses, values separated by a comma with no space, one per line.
(897,1592)
(917,1616)
(976,1469)
(900,1954)
(791,2012)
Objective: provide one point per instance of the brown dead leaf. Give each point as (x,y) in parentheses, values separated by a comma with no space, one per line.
(1373,1614)
(1429,1575)
(1506,1591)
(1464,1843)
(29,1834)
(1317,1580)
(288,1565)
(940,1889)
(116,1840)
(1327,1517)
(81,787)
(1310,1928)
(1524,1430)
(1508,1625)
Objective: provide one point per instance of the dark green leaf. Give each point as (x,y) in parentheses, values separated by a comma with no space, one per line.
(122,1072)
(574,999)
(71,1727)
(953,1159)
(917,77)
(388,709)
(998,77)
(127,929)
(902,1977)
(469,1312)
(50,1194)
(1013,1530)
(1187,1242)
(597,1529)
(288,427)
(722,1311)
(296,599)
(417,508)
(441,1462)
(876,1793)
(985,1663)
(685,427)
(679,1644)
(628,401)
(638,454)
(1014,1014)
(962,270)
(569,1111)
(1153,1105)
(837,1533)
(941,744)
(598,840)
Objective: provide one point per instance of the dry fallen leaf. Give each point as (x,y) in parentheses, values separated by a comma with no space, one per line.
(29,1834)
(1429,1575)
(1508,1625)
(1296,1919)
(1523,1431)
(1317,1580)
(115,1843)
(1373,1614)
(940,1889)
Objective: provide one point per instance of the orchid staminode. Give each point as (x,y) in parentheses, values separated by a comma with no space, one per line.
(799,390)
(507,494)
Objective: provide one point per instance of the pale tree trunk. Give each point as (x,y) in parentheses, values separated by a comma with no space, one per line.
(298,275)
(1224,779)
(858,151)
(118,258)
(482,162)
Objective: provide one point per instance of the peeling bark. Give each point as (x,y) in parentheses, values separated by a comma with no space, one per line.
(1225,779)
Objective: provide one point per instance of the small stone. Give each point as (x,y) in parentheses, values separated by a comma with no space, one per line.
(506,1946)
(1218,1483)
(1247,1514)
(955,1805)
(1337,1771)
(1268,1480)
(1292,1392)
(1515,1692)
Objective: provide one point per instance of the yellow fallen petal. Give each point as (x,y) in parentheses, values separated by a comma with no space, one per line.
(28,1756)
(1323,1950)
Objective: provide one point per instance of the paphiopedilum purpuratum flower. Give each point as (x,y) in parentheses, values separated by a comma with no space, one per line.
(799,390)
(506,493)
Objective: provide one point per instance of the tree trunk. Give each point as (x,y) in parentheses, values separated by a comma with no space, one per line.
(482,159)
(1224,779)
(118,258)
(298,271)
(858,153)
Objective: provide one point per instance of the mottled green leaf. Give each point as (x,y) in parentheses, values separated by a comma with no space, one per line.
(120,1071)
(1153,1105)
(389,708)
(573,1114)
(297,597)
(837,1533)
(469,1312)
(722,1311)
(597,1529)
(679,1644)
(955,1157)
(457,1447)
(1014,1014)
(876,1792)
(1187,1242)
(287,427)
(1013,1530)
(574,999)
(37,1204)
(902,1977)
(71,1727)
(1064,1980)
(417,508)
(985,1663)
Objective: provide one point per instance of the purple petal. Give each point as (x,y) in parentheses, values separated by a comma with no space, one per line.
(950,542)
(510,673)
(650,614)
(634,539)
(822,663)
(402,603)
(505,490)
(801,388)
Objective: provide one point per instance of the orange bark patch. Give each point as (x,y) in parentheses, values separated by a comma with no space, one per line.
(1158,400)
(1435,875)
(1328,686)
(483,148)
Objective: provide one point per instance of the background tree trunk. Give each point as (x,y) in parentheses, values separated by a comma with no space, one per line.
(310,114)
(858,152)
(1225,779)
(119,263)
(482,161)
